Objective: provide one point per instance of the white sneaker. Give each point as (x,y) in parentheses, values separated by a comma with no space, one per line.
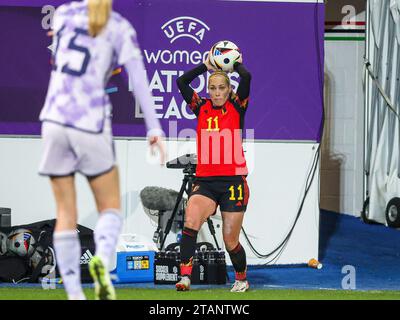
(183,284)
(240,286)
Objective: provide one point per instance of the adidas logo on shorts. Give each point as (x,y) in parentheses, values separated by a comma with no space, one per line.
(86,257)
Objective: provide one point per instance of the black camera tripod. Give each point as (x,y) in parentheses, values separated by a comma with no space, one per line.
(188,164)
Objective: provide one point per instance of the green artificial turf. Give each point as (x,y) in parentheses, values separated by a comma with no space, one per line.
(205,294)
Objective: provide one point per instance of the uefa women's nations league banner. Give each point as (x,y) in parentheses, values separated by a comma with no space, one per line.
(281,42)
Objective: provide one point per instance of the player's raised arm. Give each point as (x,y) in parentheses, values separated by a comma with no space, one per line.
(243,90)
(130,56)
(141,89)
(186,79)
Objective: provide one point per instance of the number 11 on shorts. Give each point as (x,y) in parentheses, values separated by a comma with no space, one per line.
(232,190)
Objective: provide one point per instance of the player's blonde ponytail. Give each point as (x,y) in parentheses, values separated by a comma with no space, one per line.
(99,12)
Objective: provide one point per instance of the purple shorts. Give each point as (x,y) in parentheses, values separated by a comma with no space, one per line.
(68,150)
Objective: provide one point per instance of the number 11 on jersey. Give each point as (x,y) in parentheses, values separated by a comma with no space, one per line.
(210,123)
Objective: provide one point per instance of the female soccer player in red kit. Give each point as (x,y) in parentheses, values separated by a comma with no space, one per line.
(221,169)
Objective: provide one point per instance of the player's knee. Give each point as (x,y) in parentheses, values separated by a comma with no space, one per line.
(193,212)
(230,241)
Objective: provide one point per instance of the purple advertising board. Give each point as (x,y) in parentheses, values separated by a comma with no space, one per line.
(281,42)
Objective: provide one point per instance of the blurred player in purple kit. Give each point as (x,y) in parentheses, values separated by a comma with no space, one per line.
(89,40)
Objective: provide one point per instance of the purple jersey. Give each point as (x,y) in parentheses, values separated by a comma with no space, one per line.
(76,95)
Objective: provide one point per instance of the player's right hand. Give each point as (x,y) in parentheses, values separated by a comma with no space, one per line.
(157,142)
(208,63)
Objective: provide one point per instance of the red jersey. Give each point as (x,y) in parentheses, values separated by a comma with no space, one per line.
(219,137)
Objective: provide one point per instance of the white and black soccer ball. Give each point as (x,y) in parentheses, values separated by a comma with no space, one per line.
(21,242)
(49,268)
(36,256)
(40,253)
(3,243)
(224,54)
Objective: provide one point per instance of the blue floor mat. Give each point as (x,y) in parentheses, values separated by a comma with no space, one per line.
(372,250)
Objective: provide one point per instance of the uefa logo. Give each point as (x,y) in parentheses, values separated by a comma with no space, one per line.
(185,27)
